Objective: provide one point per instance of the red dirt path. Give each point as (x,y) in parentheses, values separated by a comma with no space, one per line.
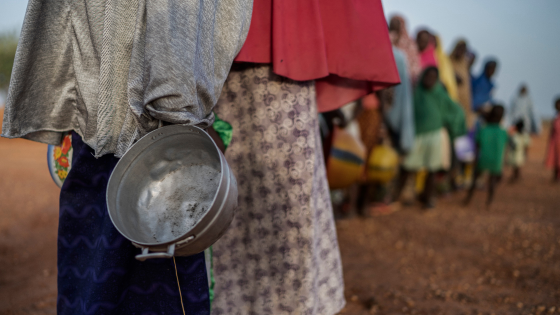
(452,260)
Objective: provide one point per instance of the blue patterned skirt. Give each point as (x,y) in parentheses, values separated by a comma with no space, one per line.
(97,271)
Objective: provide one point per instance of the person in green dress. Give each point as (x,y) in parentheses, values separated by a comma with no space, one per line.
(434,112)
(491,142)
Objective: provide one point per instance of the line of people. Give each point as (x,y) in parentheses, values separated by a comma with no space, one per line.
(442,121)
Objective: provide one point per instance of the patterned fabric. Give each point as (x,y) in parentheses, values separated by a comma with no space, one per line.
(280,255)
(59,159)
(97,271)
(403,41)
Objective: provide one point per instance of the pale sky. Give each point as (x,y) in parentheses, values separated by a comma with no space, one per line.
(522,34)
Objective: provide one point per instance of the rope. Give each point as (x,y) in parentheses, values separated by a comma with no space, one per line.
(179,285)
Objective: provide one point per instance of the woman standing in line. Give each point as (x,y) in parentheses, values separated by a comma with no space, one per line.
(108,72)
(460,62)
(403,41)
(281,255)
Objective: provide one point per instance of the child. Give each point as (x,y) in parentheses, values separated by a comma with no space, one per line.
(553,155)
(490,141)
(520,141)
(434,112)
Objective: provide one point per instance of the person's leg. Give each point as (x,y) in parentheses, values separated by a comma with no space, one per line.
(515,174)
(401,182)
(493,180)
(429,188)
(362,200)
(476,175)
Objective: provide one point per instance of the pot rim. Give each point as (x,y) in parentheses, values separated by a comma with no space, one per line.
(147,141)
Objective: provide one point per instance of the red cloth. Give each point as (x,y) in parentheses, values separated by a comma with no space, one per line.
(428,57)
(343,44)
(553,152)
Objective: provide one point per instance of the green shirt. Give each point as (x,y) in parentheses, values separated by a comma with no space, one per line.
(433,110)
(491,141)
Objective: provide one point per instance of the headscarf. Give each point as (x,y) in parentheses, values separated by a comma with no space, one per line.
(434,109)
(400,117)
(461,68)
(408,46)
(446,72)
(522,108)
(428,56)
(482,87)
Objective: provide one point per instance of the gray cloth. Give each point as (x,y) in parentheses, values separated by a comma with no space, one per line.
(112,69)
(400,118)
(522,108)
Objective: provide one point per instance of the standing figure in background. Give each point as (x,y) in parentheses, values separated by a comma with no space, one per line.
(522,108)
(517,154)
(460,62)
(434,111)
(401,40)
(491,142)
(553,149)
(108,73)
(399,116)
(446,71)
(482,87)
(425,42)
(281,254)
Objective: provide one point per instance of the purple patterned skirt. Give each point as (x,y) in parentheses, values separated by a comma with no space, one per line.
(281,254)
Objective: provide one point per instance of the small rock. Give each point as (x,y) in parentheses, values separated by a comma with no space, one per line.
(516,273)
(519,305)
(354,298)
(410,303)
(552,310)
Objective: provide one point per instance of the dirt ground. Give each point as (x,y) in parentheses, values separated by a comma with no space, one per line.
(451,260)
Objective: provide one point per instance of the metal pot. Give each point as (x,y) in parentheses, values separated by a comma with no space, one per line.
(173,193)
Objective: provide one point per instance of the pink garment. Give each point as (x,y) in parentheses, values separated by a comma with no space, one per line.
(428,57)
(343,45)
(553,152)
(409,47)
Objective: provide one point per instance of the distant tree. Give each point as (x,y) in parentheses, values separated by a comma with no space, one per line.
(8,45)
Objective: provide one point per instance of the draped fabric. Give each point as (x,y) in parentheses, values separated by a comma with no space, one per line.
(400,117)
(97,271)
(446,71)
(404,42)
(428,57)
(461,68)
(482,88)
(522,108)
(434,109)
(553,148)
(110,70)
(342,45)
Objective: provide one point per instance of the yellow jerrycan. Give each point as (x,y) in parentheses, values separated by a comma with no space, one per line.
(346,162)
(383,164)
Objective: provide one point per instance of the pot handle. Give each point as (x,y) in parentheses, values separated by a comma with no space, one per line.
(147,255)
